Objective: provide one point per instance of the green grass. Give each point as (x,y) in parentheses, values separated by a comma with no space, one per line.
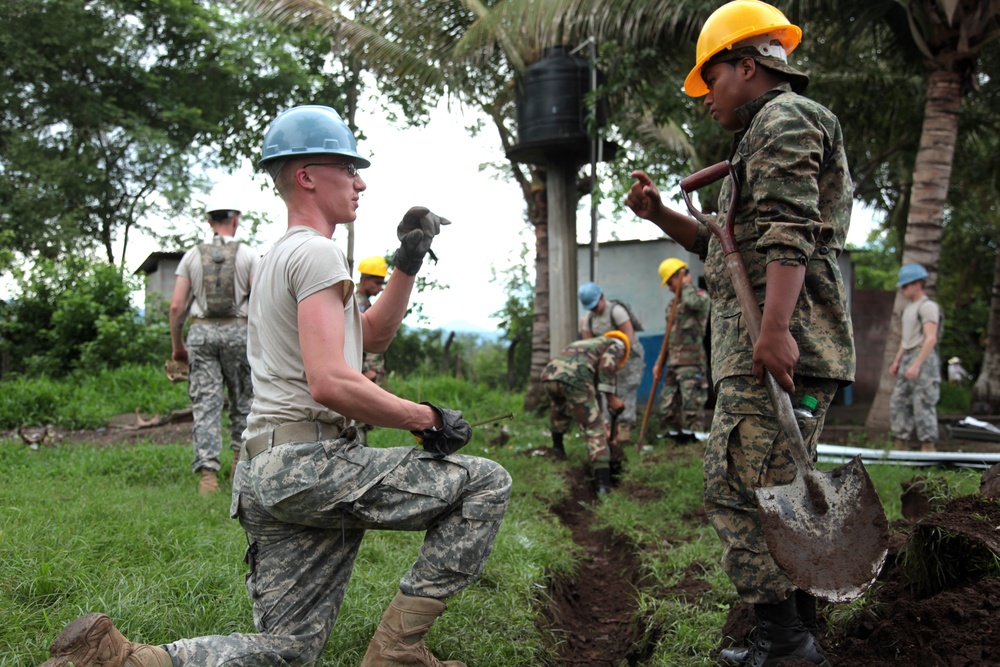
(122,530)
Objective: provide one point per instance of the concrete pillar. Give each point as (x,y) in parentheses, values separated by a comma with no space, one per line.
(561,191)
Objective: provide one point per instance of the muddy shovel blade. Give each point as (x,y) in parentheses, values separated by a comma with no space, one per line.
(826,530)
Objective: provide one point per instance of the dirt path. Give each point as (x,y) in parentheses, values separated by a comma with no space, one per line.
(592,617)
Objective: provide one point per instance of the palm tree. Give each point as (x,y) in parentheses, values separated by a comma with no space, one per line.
(948,36)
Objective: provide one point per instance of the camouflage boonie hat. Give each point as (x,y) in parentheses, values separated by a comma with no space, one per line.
(796,77)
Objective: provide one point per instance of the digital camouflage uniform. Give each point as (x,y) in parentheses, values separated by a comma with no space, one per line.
(217,349)
(630,376)
(794,207)
(685,378)
(913,405)
(371,361)
(573,381)
(305,506)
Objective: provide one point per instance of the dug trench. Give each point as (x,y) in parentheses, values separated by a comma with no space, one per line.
(935,602)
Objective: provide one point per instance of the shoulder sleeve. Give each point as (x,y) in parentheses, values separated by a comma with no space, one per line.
(619,315)
(929,311)
(184,268)
(315,265)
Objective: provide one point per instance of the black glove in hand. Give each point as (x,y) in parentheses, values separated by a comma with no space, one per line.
(416,231)
(454,433)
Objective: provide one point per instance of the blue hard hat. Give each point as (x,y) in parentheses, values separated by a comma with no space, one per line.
(590,294)
(909,273)
(309,130)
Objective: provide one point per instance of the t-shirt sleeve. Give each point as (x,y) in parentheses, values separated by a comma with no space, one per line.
(315,265)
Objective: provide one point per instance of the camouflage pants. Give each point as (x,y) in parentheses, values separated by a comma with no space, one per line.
(746,450)
(628,380)
(913,406)
(305,508)
(568,404)
(217,356)
(685,392)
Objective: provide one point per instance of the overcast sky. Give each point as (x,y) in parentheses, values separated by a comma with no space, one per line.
(437,166)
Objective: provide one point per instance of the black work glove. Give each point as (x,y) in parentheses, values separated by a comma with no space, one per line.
(415,232)
(454,433)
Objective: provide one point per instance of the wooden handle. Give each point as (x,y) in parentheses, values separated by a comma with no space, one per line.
(708,175)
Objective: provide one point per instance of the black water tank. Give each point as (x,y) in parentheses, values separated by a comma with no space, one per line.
(552,110)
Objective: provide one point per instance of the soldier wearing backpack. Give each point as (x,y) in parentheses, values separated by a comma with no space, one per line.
(917,368)
(213,287)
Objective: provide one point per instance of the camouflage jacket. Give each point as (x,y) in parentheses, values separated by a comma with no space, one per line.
(794,206)
(686,346)
(371,361)
(587,362)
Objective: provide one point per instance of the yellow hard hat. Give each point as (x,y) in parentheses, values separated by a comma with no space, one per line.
(734,22)
(373,266)
(668,268)
(620,335)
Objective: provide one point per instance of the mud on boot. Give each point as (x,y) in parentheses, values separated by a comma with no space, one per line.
(602,481)
(93,641)
(399,639)
(558,449)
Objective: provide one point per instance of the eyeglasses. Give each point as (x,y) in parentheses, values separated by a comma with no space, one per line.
(349,167)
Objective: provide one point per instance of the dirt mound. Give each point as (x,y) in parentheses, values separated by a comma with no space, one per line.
(935,602)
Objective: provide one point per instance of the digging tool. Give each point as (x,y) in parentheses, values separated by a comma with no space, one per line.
(827,530)
(658,362)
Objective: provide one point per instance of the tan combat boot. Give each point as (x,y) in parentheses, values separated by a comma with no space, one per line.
(927,446)
(93,641)
(399,638)
(901,445)
(209,482)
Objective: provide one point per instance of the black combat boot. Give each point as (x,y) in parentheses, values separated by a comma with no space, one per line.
(781,635)
(805,605)
(603,478)
(558,450)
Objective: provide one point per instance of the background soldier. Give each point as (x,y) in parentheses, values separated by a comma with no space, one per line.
(373,272)
(916,366)
(606,315)
(574,380)
(213,285)
(685,385)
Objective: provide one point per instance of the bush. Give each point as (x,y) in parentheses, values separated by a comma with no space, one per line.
(77,315)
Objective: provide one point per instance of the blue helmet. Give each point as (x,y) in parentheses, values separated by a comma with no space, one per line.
(590,294)
(909,273)
(309,130)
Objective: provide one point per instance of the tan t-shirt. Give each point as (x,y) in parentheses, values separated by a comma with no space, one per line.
(301,263)
(913,326)
(246,267)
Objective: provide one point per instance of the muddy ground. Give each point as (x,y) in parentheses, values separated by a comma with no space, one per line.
(949,622)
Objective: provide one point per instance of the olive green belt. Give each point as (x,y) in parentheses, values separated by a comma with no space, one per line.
(294,432)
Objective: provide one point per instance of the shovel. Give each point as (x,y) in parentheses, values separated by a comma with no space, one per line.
(827,529)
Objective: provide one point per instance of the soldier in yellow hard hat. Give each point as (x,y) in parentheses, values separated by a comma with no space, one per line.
(683,361)
(792,215)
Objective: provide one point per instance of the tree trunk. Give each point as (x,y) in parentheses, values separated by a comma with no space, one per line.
(922,243)
(534,396)
(986,391)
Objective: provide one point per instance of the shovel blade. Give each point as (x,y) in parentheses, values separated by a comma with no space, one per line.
(827,530)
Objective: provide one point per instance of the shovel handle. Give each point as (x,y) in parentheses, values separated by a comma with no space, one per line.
(780,399)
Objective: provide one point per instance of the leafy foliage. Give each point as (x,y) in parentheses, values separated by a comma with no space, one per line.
(76,316)
(112,109)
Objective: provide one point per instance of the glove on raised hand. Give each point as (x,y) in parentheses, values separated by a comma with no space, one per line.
(454,433)
(416,231)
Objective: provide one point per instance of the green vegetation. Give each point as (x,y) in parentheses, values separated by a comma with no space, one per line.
(120,529)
